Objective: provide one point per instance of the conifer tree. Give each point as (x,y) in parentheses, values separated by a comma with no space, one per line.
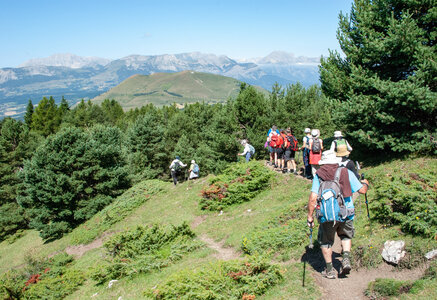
(386,83)
(29,113)
(71,176)
(146,146)
(45,118)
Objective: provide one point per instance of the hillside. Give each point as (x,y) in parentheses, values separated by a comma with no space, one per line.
(211,250)
(167,88)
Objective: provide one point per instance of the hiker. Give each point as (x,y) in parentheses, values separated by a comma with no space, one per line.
(306,153)
(175,167)
(290,151)
(248,151)
(316,148)
(342,149)
(273,139)
(283,144)
(193,170)
(329,180)
(340,143)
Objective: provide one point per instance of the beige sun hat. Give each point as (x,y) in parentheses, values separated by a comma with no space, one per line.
(329,157)
(337,134)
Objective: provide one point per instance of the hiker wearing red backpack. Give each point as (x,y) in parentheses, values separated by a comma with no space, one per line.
(273,132)
(274,143)
(290,151)
(316,148)
(281,150)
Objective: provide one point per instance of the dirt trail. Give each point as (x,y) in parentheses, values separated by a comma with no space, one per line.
(353,286)
(79,250)
(222,252)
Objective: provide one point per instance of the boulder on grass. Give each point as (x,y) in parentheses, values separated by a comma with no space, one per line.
(393,251)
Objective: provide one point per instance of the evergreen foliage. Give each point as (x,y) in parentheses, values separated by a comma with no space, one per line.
(386,83)
(45,119)
(143,250)
(234,279)
(29,113)
(238,183)
(71,176)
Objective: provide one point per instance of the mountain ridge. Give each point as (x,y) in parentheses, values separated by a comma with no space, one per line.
(18,85)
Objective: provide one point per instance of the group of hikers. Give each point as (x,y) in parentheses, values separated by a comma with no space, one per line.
(334,180)
(176,168)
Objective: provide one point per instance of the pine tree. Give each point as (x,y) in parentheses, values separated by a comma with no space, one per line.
(29,113)
(45,118)
(386,81)
(71,176)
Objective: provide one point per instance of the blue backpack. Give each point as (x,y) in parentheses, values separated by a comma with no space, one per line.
(330,201)
(196,169)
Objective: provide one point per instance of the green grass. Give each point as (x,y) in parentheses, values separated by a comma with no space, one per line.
(284,200)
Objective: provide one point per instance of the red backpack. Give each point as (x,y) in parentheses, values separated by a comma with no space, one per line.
(293,142)
(274,140)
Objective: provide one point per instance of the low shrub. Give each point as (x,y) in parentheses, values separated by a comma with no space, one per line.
(386,287)
(144,249)
(279,235)
(238,183)
(220,280)
(406,195)
(53,278)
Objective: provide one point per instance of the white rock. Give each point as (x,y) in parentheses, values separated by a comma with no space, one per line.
(393,251)
(431,254)
(111,283)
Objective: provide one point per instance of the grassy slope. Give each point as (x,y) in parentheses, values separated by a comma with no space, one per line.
(167,88)
(178,204)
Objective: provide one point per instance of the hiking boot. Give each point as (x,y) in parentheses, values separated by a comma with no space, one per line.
(345,266)
(330,275)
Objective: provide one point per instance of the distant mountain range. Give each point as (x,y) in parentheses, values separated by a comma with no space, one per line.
(76,77)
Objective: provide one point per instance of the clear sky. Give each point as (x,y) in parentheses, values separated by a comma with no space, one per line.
(115,29)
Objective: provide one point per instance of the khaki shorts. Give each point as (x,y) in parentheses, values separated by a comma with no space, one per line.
(327,230)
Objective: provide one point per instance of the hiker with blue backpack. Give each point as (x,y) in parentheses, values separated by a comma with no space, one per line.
(175,168)
(331,198)
(248,151)
(193,170)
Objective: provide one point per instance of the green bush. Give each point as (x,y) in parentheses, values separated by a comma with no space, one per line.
(279,235)
(55,285)
(143,250)
(220,280)
(238,183)
(386,287)
(406,195)
(52,278)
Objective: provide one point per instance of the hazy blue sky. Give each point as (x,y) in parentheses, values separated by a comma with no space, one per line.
(114,29)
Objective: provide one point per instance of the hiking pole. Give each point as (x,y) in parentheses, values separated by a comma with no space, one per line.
(310,246)
(365,197)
